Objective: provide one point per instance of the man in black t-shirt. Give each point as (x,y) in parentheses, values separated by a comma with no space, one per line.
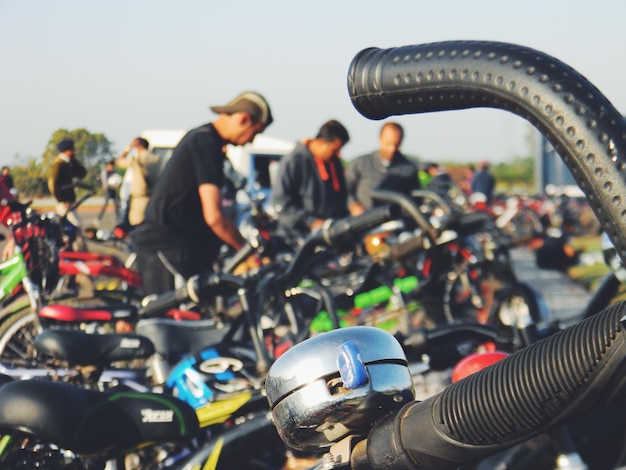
(184,225)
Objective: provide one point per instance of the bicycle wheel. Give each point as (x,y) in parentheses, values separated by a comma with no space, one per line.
(17,338)
(520,304)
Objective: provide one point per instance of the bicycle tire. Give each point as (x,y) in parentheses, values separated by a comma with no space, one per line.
(17,333)
(14,304)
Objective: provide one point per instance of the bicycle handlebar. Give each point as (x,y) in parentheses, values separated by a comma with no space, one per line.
(559,377)
(238,258)
(580,123)
(197,288)
(423,340)
(409,207)
(339,234)
(515,399)
(343,233)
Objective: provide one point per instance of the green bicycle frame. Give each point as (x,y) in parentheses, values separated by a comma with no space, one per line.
(13,271)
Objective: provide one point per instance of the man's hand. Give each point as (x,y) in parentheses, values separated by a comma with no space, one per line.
(251,263)
(9,249)
(356,208)
(317,224)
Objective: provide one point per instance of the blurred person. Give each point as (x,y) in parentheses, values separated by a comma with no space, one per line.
(6,177)
(386,168)
(311,185)
(184,226)
(468,176)
(139,163)
(65,170)
(7,196)
(427,173)
(440,179)
(110,184)
(483,183)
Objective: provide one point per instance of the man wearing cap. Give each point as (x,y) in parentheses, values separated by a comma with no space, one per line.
(60,183)
(184,226)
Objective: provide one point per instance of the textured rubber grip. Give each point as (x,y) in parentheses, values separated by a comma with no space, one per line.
(577,119)
(517,398)
(345,232)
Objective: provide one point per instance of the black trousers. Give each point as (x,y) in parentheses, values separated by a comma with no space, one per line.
(158,268)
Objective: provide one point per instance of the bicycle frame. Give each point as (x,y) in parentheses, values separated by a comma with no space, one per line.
(14,272)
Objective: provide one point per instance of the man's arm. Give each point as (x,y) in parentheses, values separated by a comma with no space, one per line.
(53,185)
(352,181)
(223,227)
(286,197)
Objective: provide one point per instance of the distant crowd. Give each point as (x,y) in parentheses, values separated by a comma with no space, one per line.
(176,216)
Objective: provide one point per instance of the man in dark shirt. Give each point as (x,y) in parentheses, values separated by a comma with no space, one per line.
(311,186)
(386,168)
(184,226)
(65,169)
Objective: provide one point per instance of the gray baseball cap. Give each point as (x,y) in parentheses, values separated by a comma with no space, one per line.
(251,102)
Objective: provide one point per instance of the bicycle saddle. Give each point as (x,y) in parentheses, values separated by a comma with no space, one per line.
(91,422)
(79,348)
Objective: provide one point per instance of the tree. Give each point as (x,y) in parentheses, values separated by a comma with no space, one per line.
(91,149)
(31,180)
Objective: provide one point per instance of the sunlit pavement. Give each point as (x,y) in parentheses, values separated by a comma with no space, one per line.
(565,297)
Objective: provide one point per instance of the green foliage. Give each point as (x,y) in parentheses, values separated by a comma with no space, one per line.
(31,180)
(520,172)
(92,150)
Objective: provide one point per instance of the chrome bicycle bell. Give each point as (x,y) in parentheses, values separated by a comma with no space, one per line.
(335,384)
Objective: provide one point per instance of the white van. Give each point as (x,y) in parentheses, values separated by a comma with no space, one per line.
(253,160)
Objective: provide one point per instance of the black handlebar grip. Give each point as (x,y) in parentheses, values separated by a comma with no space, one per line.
(341,233)
(202,286)
(421,340)
(409,206)
(164,302)
(238,258)
(528,393)
(582,125)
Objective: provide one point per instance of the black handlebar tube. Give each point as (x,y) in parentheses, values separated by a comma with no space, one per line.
(195,289)
(422,340)
(238,258)
(409,207)
(581,124)
(339,234)
(433,196)
(343,233)
(578,369)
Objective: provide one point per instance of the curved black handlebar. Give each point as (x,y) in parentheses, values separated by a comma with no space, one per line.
(343,233)
(582,125)
(409,207)
(517,398)
(238,258)
(196,288)
(338,234)
(423,340)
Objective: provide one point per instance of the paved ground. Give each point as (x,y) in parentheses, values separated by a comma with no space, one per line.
(565,297)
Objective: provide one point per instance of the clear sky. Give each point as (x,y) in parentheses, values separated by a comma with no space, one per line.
(118,67)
